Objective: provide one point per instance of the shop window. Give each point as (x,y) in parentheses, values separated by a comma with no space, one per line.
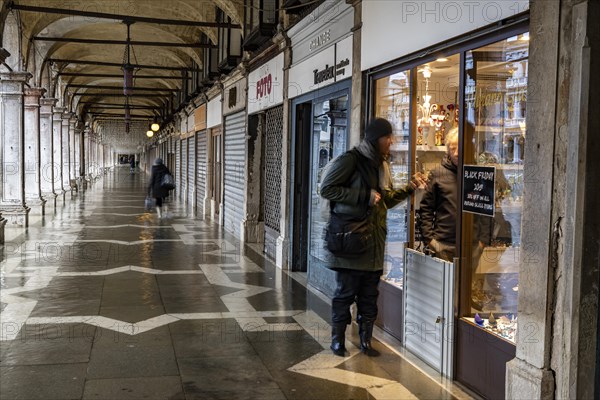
(392,102)
(437,110)
(330,139)
(494,136)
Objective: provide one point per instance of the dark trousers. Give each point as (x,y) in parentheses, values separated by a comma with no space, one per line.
(359,286)
(159,201)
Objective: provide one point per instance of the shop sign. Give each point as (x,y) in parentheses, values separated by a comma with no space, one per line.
(214,113)
(190,123)
(234,97)
(200,118)
(324,68)
(411,21)
(479,189)
(331,72)
(320,40)
(265,85)
(328,24)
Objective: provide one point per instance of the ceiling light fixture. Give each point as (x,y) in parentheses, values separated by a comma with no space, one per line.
(149,133)
(128,74)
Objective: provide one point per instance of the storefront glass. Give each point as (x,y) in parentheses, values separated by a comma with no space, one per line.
(329,140)
(392,102)
(494,131)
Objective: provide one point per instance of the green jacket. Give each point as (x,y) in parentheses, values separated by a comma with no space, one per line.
(343,185)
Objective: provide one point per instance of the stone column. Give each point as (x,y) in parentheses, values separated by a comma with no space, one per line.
(33,184)
(252,228)
(77,155)
(3,56)
(101,158)
(57,151)
(12,153)
(47,150)
(74,166)
(283,241)
(82,155)
(66,151)
(87,148)
(559,275)
(357,117)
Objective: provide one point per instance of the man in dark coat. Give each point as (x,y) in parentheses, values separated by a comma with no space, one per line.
(155,188)
(358,278)
(439,206)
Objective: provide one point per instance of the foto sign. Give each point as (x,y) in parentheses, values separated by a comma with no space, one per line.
(478,189)
(265,85)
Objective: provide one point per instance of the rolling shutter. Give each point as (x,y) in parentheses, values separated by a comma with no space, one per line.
(234,177)
(201,171)
(184,163)
(178,166)
(191,170)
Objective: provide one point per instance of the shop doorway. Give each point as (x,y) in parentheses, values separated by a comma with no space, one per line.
(320,135)
(303,127)
(329,139)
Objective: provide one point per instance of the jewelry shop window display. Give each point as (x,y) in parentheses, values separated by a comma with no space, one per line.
(422,106)
(494,133)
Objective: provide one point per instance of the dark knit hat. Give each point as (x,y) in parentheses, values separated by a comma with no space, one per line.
(377,128)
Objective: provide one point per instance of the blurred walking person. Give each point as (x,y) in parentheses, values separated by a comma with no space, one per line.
(156,187)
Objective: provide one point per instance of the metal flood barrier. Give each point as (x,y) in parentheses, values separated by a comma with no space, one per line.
(429,310)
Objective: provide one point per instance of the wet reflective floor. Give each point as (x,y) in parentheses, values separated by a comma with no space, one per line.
(101,299)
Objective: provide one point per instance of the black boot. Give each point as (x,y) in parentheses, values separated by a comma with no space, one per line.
(338,340)
(365,332)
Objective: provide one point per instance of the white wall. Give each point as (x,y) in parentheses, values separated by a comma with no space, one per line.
(393,29)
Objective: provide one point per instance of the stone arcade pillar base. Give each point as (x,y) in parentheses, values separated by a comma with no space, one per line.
(282,251)
(522,377)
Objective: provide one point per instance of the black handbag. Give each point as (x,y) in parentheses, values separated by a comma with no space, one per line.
(349,236)
(167,182)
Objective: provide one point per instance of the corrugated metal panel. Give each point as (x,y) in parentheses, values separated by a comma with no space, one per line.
(178,166)
(234,177)
(428,315)
(201,169)
(184,164)
(191,175)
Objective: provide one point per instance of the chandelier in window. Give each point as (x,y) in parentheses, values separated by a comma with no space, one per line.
(430,116)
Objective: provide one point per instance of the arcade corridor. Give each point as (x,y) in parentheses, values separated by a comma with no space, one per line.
(102,300)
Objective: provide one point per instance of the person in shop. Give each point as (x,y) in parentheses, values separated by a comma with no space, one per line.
(156,189)
(359,190)
(439,203)
(132,164)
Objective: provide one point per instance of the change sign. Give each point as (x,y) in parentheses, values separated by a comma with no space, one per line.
(479,189)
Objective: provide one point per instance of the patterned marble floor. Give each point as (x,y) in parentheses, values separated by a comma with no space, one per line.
(102,300)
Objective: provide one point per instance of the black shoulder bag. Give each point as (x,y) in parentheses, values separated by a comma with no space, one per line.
(348,236)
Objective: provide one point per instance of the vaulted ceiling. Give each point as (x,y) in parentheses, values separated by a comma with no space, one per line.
(85,42)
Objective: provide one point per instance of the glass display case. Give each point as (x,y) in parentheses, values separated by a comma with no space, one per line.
(495,130)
